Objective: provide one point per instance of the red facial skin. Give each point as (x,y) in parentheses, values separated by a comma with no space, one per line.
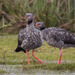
(37,25)
(27,16)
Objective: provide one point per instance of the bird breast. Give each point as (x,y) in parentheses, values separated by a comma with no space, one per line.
(33,39)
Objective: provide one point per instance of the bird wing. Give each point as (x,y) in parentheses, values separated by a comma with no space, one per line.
(22,34)
(32,40)
(59,34)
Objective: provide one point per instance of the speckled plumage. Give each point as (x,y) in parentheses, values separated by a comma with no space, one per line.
(29,37)
(58,37)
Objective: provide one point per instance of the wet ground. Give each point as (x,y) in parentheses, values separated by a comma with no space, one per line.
(18,70)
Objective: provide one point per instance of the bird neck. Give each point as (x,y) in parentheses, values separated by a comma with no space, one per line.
(30,21)
(42,28)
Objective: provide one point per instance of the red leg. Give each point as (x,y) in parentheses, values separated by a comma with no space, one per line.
(27,56)
(60,54)
(39,61)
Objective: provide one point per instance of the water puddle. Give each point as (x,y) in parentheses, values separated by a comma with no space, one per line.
(17,70)
(63,61)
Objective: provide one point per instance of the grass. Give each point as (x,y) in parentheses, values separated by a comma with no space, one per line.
(52,12)
(46,53)
(2,71)
(52,66)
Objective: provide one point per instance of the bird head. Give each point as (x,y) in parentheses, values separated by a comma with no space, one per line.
(40,25)
(29,16)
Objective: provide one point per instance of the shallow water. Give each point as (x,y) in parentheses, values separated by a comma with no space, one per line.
(18,70)
(63,61)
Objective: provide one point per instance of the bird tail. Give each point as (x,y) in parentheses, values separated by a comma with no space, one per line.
(18,49)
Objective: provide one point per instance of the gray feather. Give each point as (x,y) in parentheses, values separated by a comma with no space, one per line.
(58,37)
(30,38)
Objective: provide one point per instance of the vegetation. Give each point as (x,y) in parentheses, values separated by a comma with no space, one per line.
(2,71)
(52,66)
(46,53)
(57,13)
(52,12)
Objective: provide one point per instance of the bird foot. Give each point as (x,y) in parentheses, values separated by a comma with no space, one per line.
(59,62)
(29,63)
